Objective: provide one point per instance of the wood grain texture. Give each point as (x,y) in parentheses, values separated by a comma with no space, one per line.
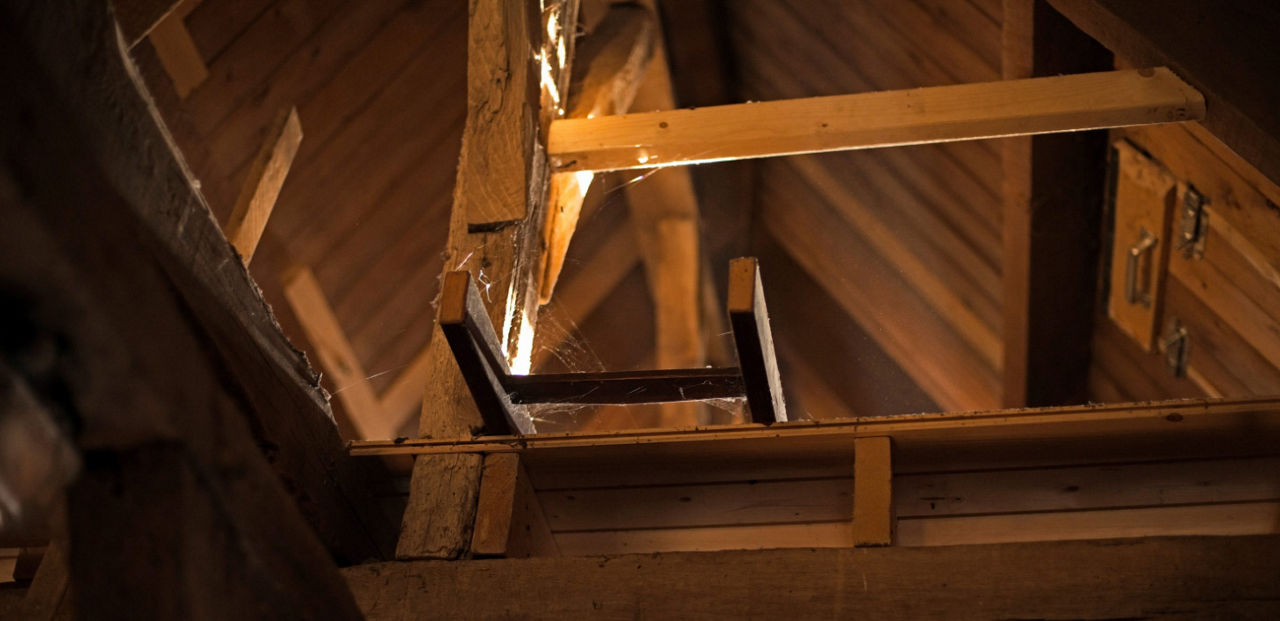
(1154,578)
(178,53)
(262,186)
(894,118)
(122,139)
(509,518)
(1145,197)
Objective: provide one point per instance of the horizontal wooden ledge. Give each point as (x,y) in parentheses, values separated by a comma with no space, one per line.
(626,387)
(1258,417)
(869,120)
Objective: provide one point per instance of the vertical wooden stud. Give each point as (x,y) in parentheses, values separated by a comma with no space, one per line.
(873,520)
(749,320)
(509,520)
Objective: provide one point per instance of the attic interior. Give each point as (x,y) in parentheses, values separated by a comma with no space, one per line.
(285,278)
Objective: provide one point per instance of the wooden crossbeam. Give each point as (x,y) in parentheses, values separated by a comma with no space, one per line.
(177,51)
(868,120)
(1131,426)
(627,387)
(262,186)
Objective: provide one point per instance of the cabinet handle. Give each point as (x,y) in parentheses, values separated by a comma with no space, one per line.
(1146,242)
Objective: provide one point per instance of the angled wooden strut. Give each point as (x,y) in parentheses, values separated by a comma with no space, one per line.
(501,396)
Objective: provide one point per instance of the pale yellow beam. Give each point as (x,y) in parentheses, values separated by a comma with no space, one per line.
(869,120)
(262,186)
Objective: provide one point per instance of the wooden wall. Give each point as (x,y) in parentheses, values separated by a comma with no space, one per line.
(906,240)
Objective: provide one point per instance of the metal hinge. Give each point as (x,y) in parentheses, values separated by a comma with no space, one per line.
(1176,345)
(1195,223)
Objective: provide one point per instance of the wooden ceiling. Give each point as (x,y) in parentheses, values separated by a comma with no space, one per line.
(882,268)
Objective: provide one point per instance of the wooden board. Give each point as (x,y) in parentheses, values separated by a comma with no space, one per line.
(1192,577)
(893,118)
(1145,194)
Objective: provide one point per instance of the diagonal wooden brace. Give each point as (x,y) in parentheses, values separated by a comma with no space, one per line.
(749,320)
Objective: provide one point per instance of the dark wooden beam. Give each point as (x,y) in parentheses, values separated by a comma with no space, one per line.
(749,320)
(1186,577)
(164,351)
(1053,194)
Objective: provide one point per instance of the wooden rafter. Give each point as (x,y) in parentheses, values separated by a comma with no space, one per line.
(889,118)
(262,186)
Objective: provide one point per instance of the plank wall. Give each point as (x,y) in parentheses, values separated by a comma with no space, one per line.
(905,240)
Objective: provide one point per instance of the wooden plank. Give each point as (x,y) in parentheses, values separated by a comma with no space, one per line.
(464,322)
(874,523)
(501,174)
(627,387)
(262,186)
(364,416)
(892,118)
(1069,429)
(1145,194)
(509,519)
(1053,194)
(610,64)
(116,133)
(47,598)
(1154,578)
(749,319)
(1219,52)
(178,53)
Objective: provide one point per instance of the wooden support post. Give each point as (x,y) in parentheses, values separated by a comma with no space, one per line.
(364,418)
(494,233)
(509,519)
(1062,103)
(465,325)
(749,319)
(1053,195)
(873,519)
(262,186)
(606,73)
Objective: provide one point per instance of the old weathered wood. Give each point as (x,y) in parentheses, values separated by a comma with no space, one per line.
(749,319)
(262,185)
(1053,196)
(607,70)
(1145,194)
(47,598)
(502,174)
(364,417)
(1152,578)
(627,387)
(127,286)
(509,518)
(892,118)
(874,522)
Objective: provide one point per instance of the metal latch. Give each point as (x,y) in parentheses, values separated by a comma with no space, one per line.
(1195,223)
(1176,345)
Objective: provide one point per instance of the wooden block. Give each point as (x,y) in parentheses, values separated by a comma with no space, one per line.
(882,119)
(749,319)
(138,17)
(1145,194)
(262,186)
(509,518)
(178,54)
(874,522)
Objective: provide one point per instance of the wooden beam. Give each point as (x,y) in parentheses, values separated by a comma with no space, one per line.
(262,187)
(494,232)
(1148,578)
(607,71)
(115,263)
(891,118)
(1053,195)
(749,319)
(47,598)
(177,51)
(107,130)
(509,519)
(1219,52)
(627,387)
(873,519)
(1027,429)
(364,417)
